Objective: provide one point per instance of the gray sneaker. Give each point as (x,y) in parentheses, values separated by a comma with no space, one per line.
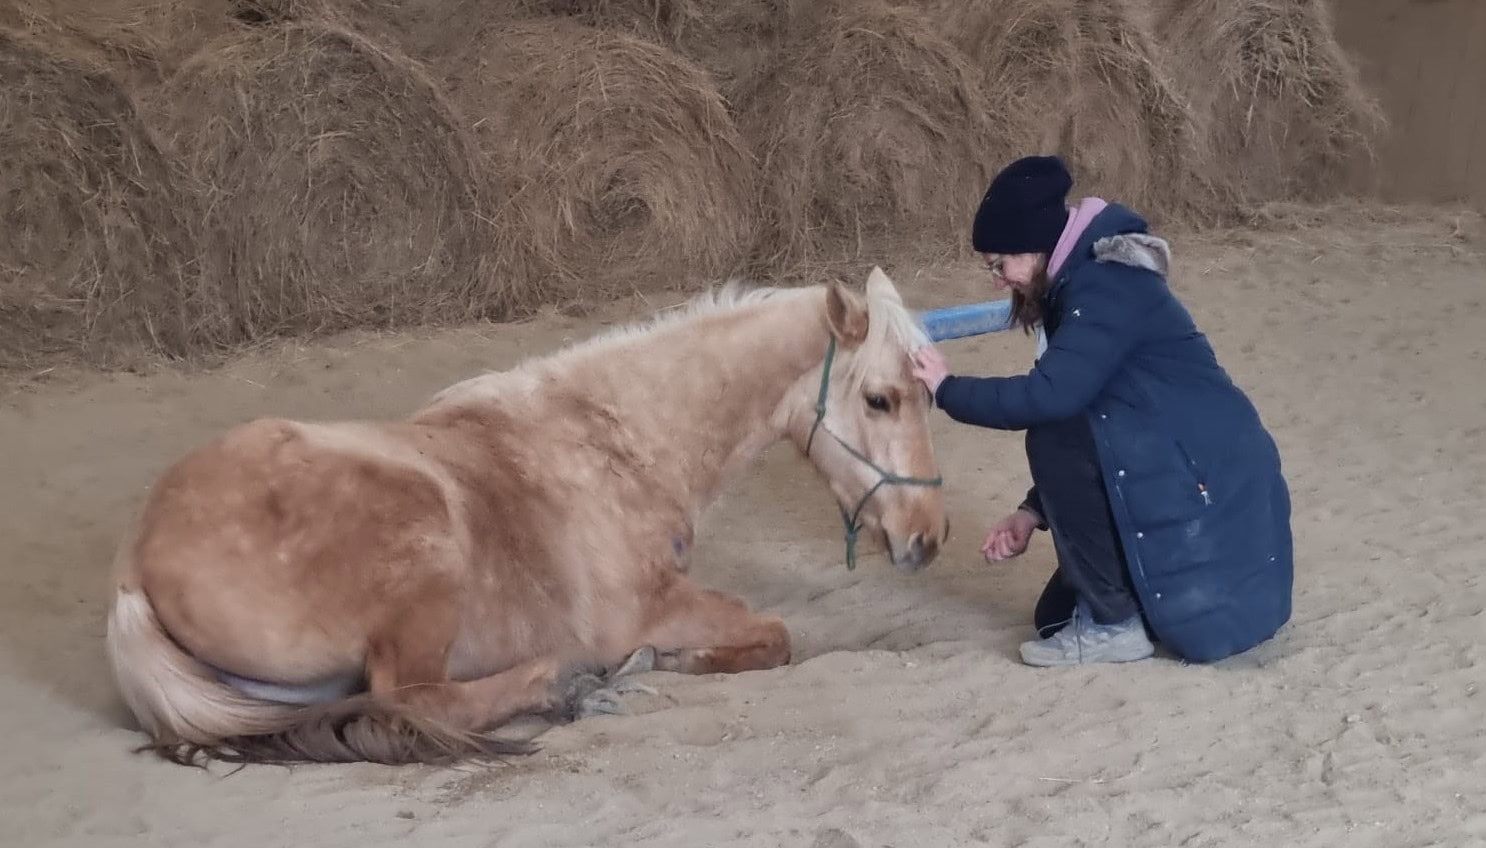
(1083,641)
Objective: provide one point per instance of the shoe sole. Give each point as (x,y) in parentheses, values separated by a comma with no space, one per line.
(1060,662)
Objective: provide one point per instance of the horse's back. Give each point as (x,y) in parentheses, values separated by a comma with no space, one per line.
(277,549)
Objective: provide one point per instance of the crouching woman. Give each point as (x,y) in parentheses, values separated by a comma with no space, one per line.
(1152,471)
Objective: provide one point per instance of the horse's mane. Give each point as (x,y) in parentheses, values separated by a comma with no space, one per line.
(737,293)
(892,330)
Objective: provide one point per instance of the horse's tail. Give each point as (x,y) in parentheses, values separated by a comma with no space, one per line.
(189,713)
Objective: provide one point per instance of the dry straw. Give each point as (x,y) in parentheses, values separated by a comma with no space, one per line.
(1088,80)
(299,167)
(873,132)
(732,39)
(1285,114)
(338,188)
(630,168)
(389,22)
(138,41)
(93,248)
(668,20)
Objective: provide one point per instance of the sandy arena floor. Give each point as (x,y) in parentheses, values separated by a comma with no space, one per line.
(907,719)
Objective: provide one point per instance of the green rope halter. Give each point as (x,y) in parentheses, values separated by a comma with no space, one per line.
(853,526)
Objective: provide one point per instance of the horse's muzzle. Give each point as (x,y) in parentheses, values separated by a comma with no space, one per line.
(921,551)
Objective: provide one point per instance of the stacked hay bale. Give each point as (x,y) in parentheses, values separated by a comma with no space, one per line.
(1090,82)
(1285,114)
(302,166)
(337,187)
(733,39)
(392,23)
(94,251)
(873,132)
(138,42)
(631,173)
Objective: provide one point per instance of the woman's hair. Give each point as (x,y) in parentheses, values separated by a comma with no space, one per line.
(1026,310)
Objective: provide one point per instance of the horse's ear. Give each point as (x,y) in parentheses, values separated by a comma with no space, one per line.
(881,285)
(847,315)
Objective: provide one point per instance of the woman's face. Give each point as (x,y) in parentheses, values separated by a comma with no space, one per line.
(1019,271)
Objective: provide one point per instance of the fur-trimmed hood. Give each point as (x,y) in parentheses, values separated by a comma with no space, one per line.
(1138,250)
(1115,235)
(1118,235)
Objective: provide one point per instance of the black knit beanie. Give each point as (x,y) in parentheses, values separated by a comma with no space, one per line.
(1025,209)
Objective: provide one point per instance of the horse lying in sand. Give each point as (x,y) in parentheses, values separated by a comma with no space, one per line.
(393,591)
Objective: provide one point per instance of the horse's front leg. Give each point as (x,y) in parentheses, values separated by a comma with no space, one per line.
(699,631)
(407,663)
(690,630)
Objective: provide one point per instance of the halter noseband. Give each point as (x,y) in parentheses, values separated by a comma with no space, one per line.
(853,527)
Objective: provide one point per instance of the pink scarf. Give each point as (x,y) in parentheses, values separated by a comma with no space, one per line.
(1078,219)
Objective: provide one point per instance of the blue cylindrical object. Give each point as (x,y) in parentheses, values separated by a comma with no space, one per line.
(973,319)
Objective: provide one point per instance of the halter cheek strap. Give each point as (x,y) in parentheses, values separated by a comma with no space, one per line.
(853,525)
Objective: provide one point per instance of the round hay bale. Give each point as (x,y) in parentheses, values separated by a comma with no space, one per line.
(874,132)
(139,41)
(253,12)
(339,187)
(383,21)
(665,19)
(1089,81)
(632,173)
(1285,111)
(732,39)
(93,246)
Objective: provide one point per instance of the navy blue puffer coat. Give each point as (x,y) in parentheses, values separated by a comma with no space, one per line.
(1194,477)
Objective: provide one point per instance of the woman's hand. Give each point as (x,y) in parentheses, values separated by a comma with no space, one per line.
(930,367)
(1010,536)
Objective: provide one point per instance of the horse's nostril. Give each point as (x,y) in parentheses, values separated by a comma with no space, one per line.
(919,550)
(922,546)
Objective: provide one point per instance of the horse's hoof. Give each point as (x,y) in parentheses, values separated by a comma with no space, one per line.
(572,687)
(625,686)
(639,662)
(586,690)
(600,702)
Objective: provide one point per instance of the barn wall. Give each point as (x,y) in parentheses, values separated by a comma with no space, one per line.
(1426,60)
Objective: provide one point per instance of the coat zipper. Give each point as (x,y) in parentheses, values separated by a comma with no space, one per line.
(1195,472)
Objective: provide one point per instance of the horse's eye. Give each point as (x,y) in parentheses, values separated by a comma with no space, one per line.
(877,402)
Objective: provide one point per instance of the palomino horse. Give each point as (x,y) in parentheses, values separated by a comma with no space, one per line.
(394,591)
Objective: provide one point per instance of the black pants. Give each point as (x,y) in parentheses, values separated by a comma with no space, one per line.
(1068,490)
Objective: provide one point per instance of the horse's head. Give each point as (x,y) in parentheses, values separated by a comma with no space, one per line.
(863,420)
